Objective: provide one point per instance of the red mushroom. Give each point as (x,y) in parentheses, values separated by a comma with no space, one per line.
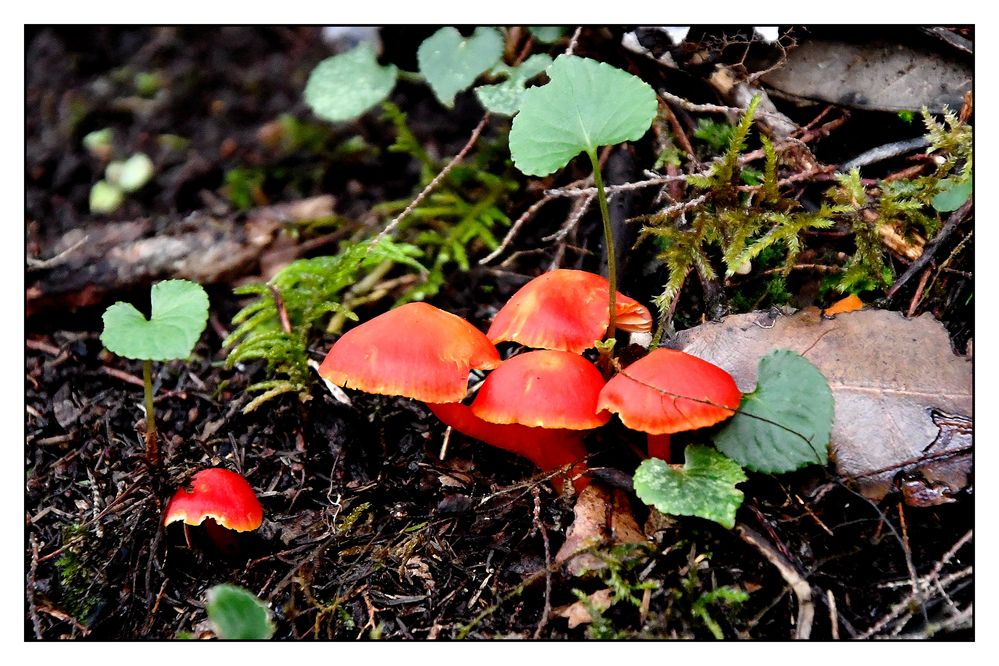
(218,499)
(545,388)
(565,310)
(420,352)
(416,351)
(670,391)
(548,449)
(219,495)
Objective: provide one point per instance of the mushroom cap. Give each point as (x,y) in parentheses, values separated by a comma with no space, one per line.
(670,391)
(544,388)
(565,309)
(416,351)
(219,494)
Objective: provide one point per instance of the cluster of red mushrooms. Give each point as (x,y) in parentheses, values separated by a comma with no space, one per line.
(536,404)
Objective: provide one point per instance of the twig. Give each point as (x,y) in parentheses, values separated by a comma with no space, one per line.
(580,208)
(931,248)
(833,615)
(714,108)
(42,346)
(40,264)
(885,152)
(918,296)
(572,42)
(432,185)
(802,590)
(36,621)
(540,527)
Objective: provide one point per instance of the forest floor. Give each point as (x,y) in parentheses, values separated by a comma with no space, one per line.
(368,532)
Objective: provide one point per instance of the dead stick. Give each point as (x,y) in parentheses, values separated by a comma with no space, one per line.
(931,248)
(802,590)
(432,185)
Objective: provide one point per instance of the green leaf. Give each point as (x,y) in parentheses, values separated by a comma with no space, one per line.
(131,174)
(179,315)
(105,197)
(237,614)
(785,423)
(953,197)
(343,87)
(451,63)
(703,487)
(504,98)
(585,104)
(549,34)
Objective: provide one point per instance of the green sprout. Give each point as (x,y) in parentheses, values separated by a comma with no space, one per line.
(586,104)
(179,312)
(120,178)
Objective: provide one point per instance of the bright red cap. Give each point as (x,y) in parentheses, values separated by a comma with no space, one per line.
(547,389)
(216,493)
(670,391)
(567,310)
(416,351)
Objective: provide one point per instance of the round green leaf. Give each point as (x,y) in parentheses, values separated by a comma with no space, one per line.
(179,315)
(585,104)
(343,87)
(504,98)
(131,174)
(237,614)
(703,487)
(451,63)
(953,196)
(105,197)
(785,423)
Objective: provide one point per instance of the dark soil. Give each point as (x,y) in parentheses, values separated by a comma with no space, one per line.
(367,532)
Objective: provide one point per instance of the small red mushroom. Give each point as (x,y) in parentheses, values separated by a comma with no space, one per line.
(670,391)
(219,500)
(219,495)
(566,310)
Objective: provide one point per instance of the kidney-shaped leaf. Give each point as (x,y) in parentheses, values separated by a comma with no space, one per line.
(784,424)
(504,98)
(179,315)
(237,614)
(703,487)
(451,62)
(585,104)
(345,86)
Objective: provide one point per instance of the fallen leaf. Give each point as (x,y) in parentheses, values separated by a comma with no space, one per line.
(851,303)
(873,75)
(903,399)
(579,612)
(602,518)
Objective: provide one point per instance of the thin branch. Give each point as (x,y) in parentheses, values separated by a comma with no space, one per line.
(432,185)
(802,590)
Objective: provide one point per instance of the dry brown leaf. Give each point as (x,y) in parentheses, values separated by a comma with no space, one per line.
(602,518)
(903,398)
(578,613)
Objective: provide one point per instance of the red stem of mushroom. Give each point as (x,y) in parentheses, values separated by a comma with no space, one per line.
(548,449)
(659,447)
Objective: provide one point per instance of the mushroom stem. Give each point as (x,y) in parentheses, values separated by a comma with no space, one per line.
(548,449)
(658,447)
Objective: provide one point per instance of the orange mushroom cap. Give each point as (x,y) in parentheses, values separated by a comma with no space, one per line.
(567,310)
(545,388)
(670,391)
(416,351)
(219,494)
